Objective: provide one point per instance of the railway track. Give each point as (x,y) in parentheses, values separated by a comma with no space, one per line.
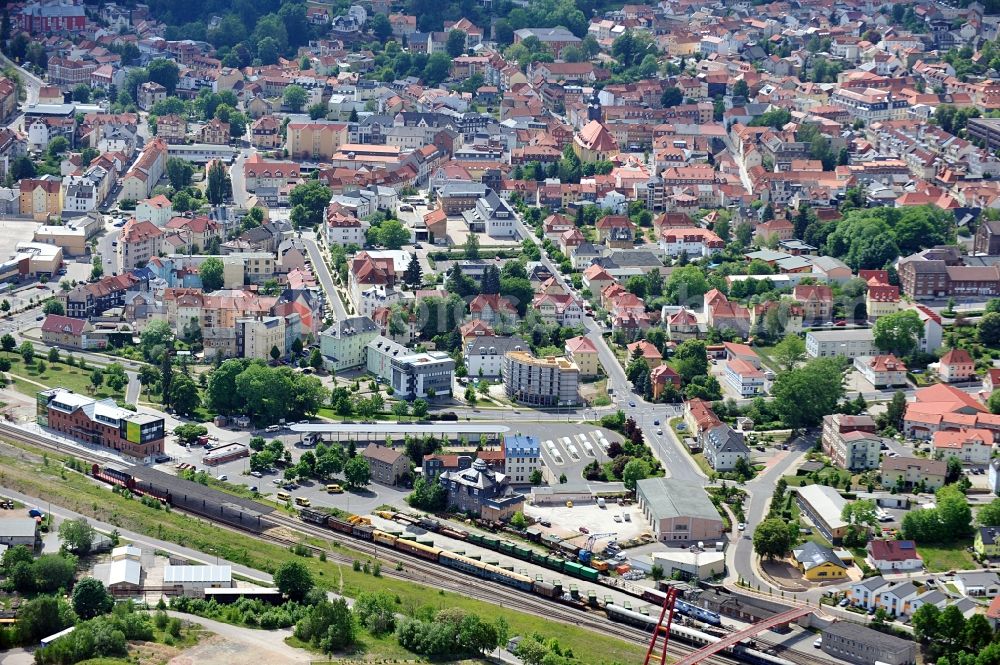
(414,569)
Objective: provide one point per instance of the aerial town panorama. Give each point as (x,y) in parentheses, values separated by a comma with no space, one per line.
(534,332)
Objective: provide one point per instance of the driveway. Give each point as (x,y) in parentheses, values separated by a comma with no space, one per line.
(233,644)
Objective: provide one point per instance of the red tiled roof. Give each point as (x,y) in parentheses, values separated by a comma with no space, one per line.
(892,550)
(55,323)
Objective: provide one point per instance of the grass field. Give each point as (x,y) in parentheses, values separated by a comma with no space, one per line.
(30,475)
(953,556)
(56,374)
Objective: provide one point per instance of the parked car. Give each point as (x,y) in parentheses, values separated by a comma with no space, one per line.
(818,642)
(256,474)
(741,526)
(631,404)
(843,602)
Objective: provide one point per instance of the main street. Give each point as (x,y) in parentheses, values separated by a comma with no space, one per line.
(671,453)
(322,272)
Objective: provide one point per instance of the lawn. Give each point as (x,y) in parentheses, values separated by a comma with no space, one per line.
(40,477)
(953,556)
(56,374)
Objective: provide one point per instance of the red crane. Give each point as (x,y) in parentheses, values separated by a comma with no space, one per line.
(662,629)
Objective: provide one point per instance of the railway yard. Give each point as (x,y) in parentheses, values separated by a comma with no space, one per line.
(424,551)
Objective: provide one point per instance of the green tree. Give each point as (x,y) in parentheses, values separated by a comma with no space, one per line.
(165,72)
(988,330)
(54,306)
(789,352)
(219,184)
(804,395)
(686,285)
(211,273)
(43,616)
(77,535)
(436,69)
(357,472)
(154,339)
(994,402)
(380,27)
(925,622)
(184,395)
(309,201)
(771,538)
(898,332)
(634,471)
(7,342)
(54,572)
(672,96)
(420,409)
(91,599)
(295,97)
(471,246)
(179,172)
(293,579)
(27,352)
(455,44)
(391,234)
(691,359)
(81,93)
(96,268)
(96,379)
(413,275)
(316,359)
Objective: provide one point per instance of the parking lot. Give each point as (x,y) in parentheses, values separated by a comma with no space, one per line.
(623,522)
(567,449)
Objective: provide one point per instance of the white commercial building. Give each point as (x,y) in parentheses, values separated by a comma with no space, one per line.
(840,343)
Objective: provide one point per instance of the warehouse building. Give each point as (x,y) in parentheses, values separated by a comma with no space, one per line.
(193,580)
(853,643)
(824,506)
(679,511)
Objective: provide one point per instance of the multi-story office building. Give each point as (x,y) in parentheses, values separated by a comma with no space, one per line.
(420,375)
(101,423)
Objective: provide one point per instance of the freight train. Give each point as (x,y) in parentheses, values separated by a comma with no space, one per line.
(426,550)
(559,564)
(690,635)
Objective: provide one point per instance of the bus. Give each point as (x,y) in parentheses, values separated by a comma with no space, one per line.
(334,489)
(284,496)
(302,501)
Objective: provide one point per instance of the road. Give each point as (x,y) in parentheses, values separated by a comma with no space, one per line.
(322,271)
(133,388)
(671,453)
(740,555)
(738,158)
(32,85)
(240,194)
